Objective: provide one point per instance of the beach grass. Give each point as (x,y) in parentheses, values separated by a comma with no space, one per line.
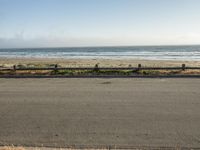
(99,72)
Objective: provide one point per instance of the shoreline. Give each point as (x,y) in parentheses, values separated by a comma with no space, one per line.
(7,62)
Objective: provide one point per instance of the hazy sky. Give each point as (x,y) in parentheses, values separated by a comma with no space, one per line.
(53,23)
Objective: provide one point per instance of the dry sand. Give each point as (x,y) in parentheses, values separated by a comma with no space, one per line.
(91,62)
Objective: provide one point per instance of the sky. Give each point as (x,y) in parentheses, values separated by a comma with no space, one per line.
(75,23)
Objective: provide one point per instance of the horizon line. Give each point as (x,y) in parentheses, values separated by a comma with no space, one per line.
(154,45)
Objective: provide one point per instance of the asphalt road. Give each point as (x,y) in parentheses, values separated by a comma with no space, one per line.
(100,112)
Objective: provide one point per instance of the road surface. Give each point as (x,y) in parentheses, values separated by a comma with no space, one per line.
(100,112)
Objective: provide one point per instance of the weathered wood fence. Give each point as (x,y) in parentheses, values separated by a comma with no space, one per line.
(139,67)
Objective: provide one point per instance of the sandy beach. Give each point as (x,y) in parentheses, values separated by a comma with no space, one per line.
(8,62)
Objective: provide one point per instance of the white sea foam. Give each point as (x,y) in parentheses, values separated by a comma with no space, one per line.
(147,53)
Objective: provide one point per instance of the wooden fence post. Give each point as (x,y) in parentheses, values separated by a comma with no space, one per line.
(55,69)
(14,67)
(139,66)
(183,67)
(96,67)
(56,66)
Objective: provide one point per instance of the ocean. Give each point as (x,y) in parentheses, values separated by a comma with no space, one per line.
(185,53)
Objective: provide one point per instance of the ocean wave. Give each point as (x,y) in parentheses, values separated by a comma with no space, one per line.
(148,53)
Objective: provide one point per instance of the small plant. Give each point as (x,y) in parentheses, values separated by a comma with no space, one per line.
(21,66)
(149,72)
